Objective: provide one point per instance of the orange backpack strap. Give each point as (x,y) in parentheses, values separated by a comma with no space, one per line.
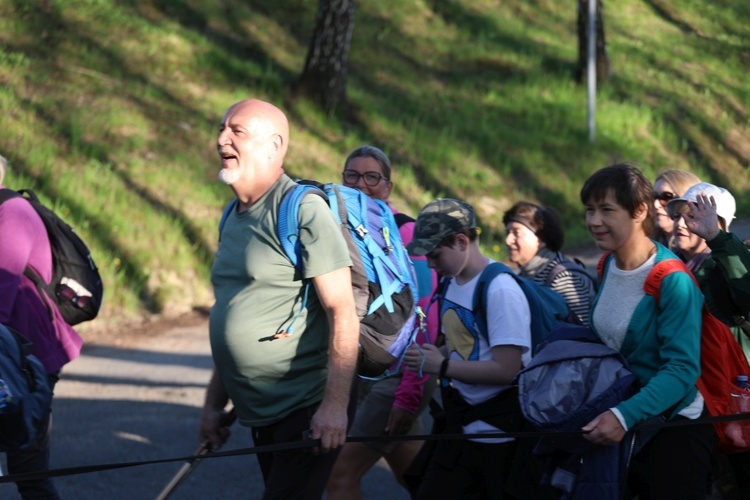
(600,265)
(660,271)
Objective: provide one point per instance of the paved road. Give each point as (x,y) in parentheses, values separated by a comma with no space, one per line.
(141,402)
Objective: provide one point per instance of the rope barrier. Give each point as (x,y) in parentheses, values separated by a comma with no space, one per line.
(311,443)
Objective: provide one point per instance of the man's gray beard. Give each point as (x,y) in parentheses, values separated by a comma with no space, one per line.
(229,175)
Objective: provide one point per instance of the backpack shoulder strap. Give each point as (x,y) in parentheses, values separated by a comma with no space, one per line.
(479,302)
(7,194)
(661,270)
(288,220)
(570,266)
(601,265)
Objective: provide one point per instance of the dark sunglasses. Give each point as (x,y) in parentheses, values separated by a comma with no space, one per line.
(371,178)
(79,298)
(664,197)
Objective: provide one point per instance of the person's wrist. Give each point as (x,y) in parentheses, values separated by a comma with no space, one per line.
(712,233)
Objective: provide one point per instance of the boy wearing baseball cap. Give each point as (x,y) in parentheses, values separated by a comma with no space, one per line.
(475,371)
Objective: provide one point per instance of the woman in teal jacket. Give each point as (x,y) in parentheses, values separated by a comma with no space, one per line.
(660,342)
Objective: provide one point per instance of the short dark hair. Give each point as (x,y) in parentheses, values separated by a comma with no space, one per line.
(628,184)
(542,221)
(367,151)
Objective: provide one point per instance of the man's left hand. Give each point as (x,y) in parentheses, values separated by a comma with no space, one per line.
(329,425)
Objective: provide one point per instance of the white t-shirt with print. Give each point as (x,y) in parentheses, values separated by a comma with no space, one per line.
(509,323)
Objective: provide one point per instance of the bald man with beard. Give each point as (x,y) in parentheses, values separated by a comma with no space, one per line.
(282,383)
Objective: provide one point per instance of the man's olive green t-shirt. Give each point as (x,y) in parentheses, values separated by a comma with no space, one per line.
(258,294)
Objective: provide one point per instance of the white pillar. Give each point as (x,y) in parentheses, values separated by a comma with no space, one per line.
(591,57)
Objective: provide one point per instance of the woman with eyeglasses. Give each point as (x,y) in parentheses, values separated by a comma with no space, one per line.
(388,407)
(669,184)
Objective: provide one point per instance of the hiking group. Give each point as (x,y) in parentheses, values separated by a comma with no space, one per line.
(337,317)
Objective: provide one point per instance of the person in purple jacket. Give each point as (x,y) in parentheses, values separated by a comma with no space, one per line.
(24,243)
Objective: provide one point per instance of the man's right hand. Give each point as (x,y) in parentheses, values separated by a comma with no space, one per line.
(211,431)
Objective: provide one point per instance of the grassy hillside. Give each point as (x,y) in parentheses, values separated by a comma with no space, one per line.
(109,109)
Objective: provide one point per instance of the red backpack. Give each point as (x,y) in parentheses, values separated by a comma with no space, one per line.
(722,359)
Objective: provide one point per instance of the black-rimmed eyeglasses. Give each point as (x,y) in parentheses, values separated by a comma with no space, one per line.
(371,178)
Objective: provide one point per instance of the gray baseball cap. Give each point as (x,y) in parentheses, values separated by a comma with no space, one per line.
(438,219)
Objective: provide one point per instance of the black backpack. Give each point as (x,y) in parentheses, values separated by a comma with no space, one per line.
(76,286)
(25,397)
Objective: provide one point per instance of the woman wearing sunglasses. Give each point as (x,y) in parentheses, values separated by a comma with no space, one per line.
(670,184)
(388,407)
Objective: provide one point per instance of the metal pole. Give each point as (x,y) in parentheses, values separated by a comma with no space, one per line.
(591,57)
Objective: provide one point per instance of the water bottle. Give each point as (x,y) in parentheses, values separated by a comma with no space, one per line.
(739,402)
(6,397)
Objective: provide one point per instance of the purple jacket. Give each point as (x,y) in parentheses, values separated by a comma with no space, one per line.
(24,242)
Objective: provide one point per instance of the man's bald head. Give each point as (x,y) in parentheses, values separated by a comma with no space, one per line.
(263,118)
(252,143)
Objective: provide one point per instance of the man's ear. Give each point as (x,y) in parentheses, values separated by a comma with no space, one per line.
(276,144)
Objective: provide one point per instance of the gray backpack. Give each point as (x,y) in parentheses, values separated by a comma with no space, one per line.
(572,378)
(25,397)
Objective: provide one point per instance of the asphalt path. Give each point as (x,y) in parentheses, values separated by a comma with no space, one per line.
(139,398)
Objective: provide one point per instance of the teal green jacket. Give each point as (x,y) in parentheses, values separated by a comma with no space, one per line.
(730,260)
(662,346)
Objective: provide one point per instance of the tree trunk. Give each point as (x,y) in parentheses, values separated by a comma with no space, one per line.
(326,65)
(602,59)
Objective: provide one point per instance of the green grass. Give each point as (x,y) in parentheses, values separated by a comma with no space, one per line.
(109,109)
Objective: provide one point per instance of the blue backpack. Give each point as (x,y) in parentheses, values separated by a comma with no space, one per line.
(547,307)
(383,280)
(25,397)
